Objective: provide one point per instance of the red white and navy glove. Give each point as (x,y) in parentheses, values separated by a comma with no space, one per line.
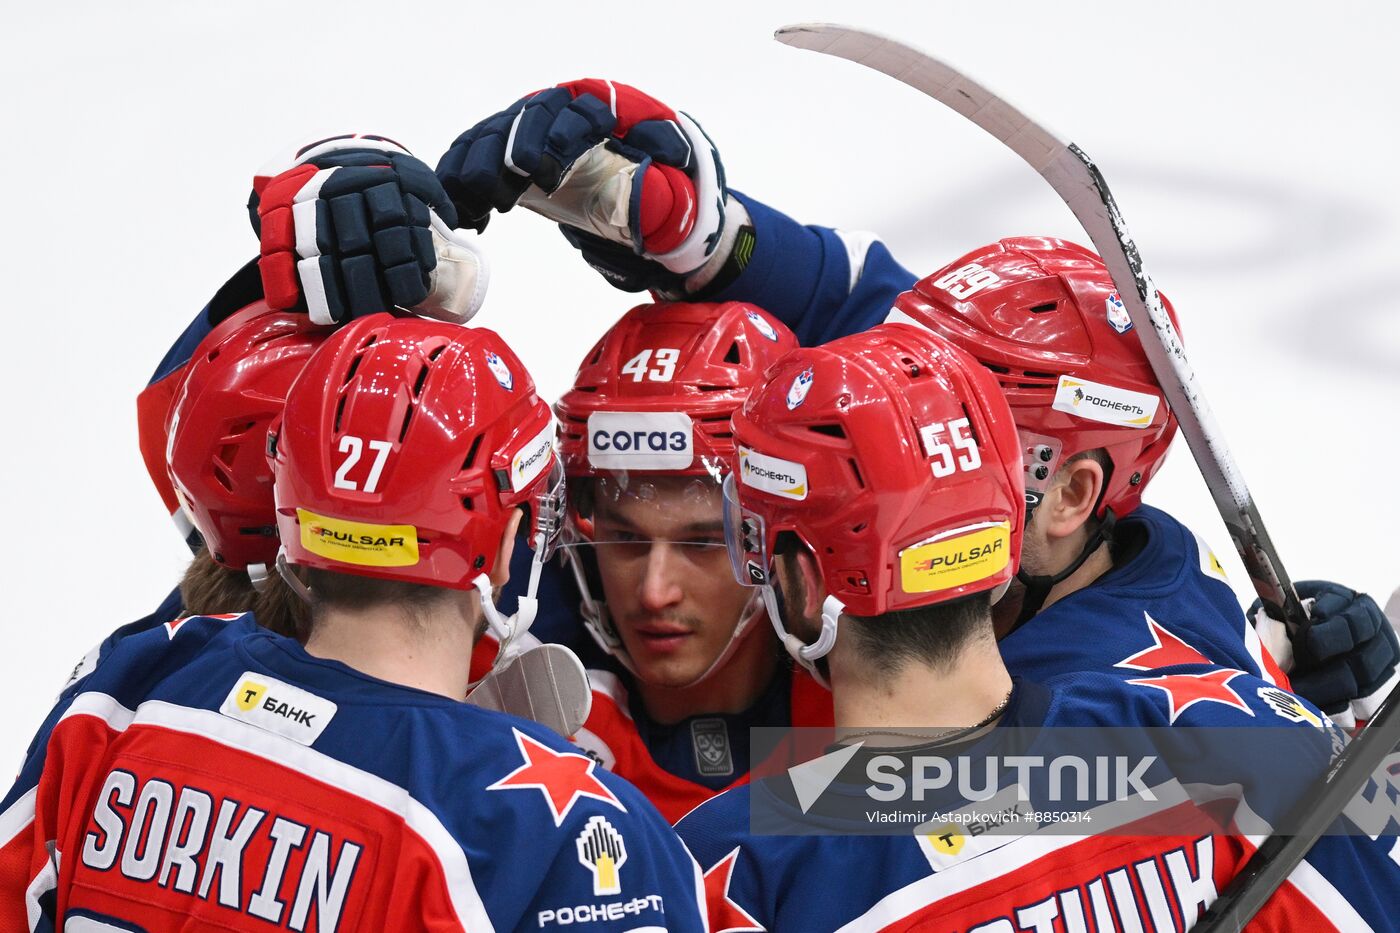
(636,186)
(353,225)
(1348,659)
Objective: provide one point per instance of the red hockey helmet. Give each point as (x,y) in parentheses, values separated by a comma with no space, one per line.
(1044,315)
(655,394)
(403,448)
(892,456)
(216,429)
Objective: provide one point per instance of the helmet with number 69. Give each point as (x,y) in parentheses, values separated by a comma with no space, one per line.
(891,455)
(1044,315)
(403,448)
(216,429)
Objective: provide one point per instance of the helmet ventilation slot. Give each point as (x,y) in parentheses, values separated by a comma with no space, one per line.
(855,471)
(1043,308)
(732,354)
(471,454)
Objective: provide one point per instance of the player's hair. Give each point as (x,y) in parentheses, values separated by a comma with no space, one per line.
(932,635)
(209,587)
(331,590)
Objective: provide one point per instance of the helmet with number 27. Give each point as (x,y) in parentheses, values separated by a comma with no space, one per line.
(404,447)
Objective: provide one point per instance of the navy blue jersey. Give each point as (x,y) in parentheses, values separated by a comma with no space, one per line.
(209,772)
(1167,604)
(959,877)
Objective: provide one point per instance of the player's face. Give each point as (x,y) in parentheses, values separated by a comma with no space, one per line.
(1034,562)
(665,573)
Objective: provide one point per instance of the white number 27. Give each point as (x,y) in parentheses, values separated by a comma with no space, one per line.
(944,463)
(352,447)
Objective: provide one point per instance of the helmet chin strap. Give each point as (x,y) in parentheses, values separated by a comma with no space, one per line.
(508,629)
(595,612)
(801,652)
(259,577)
(284,570)
(1038,587)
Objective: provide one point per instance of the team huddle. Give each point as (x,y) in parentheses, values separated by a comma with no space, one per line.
(803,487)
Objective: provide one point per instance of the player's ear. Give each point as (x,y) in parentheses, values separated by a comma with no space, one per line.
(1071,499)
(500,573)
(813,590)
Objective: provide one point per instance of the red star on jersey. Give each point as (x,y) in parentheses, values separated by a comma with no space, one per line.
(1166,650)
(1186,690)
(563,777)
(725,915)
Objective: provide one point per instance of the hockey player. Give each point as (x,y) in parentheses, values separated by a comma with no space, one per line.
(212,434)
(671,711)
(212,773)
(691,663)
(878,503)
(1043,311)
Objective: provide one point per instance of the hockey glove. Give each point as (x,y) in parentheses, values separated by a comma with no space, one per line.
(357,225)
(637,187)
(1347,660)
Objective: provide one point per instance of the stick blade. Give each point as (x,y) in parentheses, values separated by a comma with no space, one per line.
(1033,142)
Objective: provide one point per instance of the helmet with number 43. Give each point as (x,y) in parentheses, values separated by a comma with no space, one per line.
(645,439)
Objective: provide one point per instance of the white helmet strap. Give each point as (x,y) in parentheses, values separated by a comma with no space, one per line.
(801,652)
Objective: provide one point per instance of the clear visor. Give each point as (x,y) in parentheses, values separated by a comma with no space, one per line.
(549,510)
(745,539)
(627,514)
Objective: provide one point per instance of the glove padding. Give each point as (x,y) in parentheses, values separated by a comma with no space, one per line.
(357,226)
(638,187)
(1348,658)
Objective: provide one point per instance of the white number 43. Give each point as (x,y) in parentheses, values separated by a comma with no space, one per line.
(353,447)
(664,369)
(935,446)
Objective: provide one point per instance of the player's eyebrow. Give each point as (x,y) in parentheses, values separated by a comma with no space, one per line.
(714,527)
(619,521)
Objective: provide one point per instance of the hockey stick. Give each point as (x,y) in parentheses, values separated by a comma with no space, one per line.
(1076,179)
(1078,182)
(1277,856)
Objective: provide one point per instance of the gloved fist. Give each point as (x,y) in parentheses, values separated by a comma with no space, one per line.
(357,225)
(637,187)
(1348,658)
